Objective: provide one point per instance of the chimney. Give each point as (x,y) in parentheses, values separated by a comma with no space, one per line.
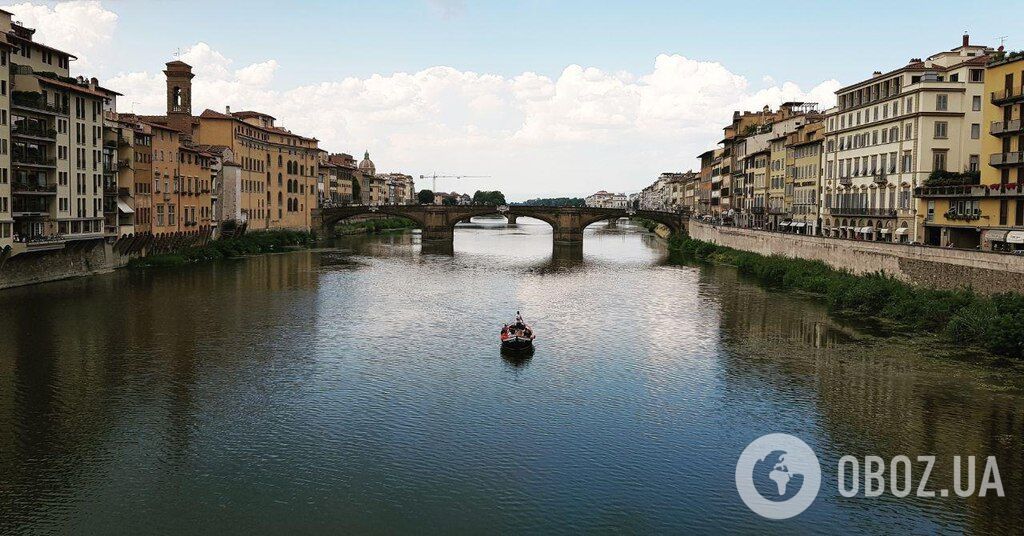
(227,110)
(967,40)
(876,74)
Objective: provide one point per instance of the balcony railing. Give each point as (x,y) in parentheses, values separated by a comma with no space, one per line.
(971,190)
(1005,127)
(863,211)
(32,160)
(969,215)
(33,188)
(1006,159)
(845,181)
(37,131)
(35,101)
(1004,96)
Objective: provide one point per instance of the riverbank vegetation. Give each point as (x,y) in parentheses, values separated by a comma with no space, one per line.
(995,323)
(252,243)
(374,226)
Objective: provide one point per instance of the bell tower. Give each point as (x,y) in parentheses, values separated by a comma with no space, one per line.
(179,88)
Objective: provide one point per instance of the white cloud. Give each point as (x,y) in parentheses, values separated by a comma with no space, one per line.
(78,26)
(448,9)
(584,129)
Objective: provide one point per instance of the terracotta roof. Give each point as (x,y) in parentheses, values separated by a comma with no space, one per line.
(75,87)
(40,45)
(210,114)
(245,114)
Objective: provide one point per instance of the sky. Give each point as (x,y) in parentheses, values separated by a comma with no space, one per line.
(547,98)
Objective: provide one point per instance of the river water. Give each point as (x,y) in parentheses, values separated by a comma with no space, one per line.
(360,388)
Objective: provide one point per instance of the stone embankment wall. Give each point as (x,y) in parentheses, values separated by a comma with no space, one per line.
(88,257)
(983,271)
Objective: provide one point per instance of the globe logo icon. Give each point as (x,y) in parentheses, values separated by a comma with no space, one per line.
(774,480)
(778,476)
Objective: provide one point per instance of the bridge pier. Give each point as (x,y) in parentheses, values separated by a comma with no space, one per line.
(511,218)
(613,223)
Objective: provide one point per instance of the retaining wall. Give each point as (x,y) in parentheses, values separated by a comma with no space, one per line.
(985,272)
(88,257)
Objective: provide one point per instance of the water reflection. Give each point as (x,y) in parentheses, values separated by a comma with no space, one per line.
(360,389)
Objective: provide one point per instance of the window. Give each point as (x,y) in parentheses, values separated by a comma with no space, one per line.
(942,102)
(941,129)
(975,131)
(976,103)
(977,75)
(974,162)
(939,160)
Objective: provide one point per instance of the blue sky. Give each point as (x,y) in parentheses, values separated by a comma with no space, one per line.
(550,98)
(805,42)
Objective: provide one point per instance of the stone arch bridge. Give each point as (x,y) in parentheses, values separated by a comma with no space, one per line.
(437,222)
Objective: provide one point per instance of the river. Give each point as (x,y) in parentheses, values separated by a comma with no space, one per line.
(360,388)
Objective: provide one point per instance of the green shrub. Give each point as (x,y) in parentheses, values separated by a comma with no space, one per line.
(995,323)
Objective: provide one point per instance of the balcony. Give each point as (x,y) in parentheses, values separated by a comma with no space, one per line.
(863,211)
(999,128)
(969,215)
(757,210)
(845,181)
(970,190)
(33,131)
(1007,96)
(28,188)
(22,159)
(30,207)
(35,102)
(1006,159)
(880,179)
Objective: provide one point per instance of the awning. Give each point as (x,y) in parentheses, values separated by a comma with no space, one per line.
(866,230)
(1015,237)
(784,224)
(124,208)
(901,231)
(885,230)
(799,224)
(995,235)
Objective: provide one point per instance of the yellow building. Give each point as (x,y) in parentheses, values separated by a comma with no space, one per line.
(278,167)
(803,177)
(986,210)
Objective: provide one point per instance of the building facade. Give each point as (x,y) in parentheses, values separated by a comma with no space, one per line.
(51,145)
(888,133)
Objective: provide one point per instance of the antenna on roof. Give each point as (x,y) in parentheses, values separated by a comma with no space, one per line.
(1002,40)
(177,53)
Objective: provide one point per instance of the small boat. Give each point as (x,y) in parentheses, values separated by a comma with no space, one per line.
(517,336)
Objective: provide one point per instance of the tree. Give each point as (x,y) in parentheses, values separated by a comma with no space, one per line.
(425,197)
(494,197)
(449,201)
(357,191)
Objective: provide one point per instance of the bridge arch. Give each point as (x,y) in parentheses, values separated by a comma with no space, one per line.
(330,217)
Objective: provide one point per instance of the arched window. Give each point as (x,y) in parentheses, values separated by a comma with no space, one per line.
(280,199)
(280,180)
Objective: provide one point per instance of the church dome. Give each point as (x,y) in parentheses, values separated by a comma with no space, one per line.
(366,166)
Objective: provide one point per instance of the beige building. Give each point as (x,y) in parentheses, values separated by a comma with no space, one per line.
(803,177)
(51,139)
(888,133)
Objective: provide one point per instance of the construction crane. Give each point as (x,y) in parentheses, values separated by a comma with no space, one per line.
(434,177)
